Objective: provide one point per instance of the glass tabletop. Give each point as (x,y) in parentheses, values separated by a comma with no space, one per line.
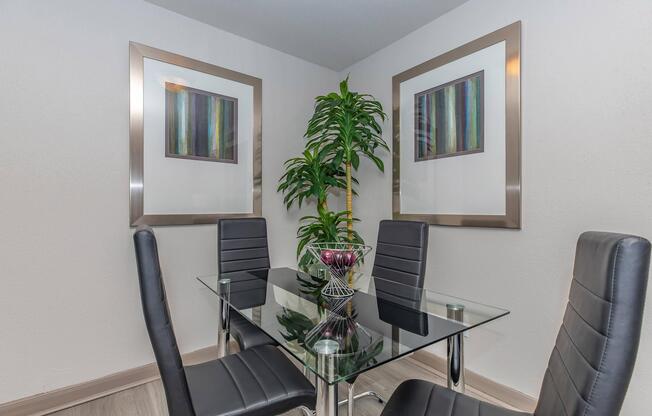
(382,321)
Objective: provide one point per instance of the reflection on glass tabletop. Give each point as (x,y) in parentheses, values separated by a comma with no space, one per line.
(382,321)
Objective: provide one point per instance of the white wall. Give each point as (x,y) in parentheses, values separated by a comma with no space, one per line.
(69,303)
(587,152)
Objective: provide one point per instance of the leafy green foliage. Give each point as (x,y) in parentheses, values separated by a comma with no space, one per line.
(311,176)
(327,226)
(343,127)
(346,125)
(312,285)
(296,325)
(354,354)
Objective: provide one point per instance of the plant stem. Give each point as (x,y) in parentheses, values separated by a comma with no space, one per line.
(349,201)
(324,205)
(349,208)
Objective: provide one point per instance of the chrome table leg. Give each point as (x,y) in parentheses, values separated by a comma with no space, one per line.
(326,366)
(351,404)
(326,398)
(455,356)
(223,327)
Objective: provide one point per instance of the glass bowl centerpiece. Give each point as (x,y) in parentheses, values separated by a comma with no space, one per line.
(340,259)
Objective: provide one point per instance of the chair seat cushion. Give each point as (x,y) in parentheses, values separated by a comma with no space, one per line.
(420,397)
(258,381)
(246,334)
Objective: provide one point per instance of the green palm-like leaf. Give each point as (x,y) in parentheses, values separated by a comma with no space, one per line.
(326,226)
(311,177)
(345,126)
(349,122)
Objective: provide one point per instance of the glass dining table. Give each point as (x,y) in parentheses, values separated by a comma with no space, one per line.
(338,339)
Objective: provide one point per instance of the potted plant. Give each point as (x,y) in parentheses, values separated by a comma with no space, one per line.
(344,127)
(312,177)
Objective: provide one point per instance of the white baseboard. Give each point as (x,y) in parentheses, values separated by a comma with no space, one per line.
(52,401)
(44,403)
(498,391)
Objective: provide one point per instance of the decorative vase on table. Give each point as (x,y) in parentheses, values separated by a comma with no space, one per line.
(340,259)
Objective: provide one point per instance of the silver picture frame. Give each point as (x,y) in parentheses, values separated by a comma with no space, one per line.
(511,35)
(137,53)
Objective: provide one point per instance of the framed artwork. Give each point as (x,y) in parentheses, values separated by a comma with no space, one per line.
(195,140)
(448,119)
(457,135)
(200,125)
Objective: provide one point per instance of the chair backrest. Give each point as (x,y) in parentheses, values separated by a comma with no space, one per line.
(242,245)
(401,252)
(593,359)
(159,325)
(406,315)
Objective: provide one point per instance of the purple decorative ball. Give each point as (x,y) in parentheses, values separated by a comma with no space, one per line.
(327,257)
(349,259)
(338,259)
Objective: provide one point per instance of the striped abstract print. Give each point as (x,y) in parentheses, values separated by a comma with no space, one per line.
(200,124)
(448,119)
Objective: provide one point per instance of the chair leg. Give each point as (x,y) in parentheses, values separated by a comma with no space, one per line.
(306,411)
(350,401)
(372,394)
(351,397)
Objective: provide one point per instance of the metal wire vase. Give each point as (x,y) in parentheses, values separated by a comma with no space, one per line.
(340,259)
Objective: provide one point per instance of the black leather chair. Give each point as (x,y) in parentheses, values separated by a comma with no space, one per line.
(593,359)
(401,255)
(258,382)
(242,247)
(405,315)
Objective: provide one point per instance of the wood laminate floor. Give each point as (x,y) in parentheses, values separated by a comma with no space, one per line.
(149,399)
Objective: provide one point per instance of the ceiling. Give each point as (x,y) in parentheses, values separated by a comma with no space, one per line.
(331,33)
